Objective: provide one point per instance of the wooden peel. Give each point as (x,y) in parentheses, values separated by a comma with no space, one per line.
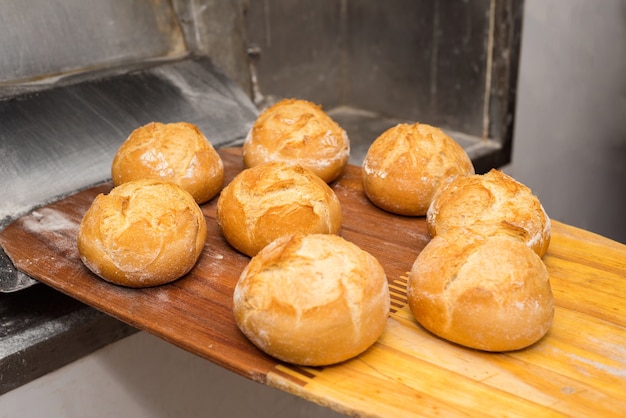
(578,369)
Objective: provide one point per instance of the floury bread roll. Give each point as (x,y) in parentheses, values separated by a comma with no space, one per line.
(488,204)
(176,152)
(406,164)
(267,201)
(490,294)
(143,233)
(298,132)
(312,300)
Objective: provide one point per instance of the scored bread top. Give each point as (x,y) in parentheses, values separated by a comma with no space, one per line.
(143,233)
(312,299)
(487,293)
(298,132)
(175,152)
(407,164)
(488,204)
(267,201)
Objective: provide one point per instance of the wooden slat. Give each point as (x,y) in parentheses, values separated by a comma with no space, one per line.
(578,369)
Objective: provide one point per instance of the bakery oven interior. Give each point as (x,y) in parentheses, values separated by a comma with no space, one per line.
(375,64)
(68,98)
(76,77)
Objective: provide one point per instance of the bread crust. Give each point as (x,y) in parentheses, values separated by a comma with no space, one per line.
(143,233)
(490,204)
(298,132)
(175,152)
(267,201)
(407,164)
(312,299)
(490,294)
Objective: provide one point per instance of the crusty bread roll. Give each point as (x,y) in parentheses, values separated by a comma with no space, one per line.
(175,152)
(298,132)
(488,204)
(143,233)
(406,164)
(491,294)
(312,299)
(267,201)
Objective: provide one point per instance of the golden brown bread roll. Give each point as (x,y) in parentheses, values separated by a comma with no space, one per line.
(406,164)
(488,204)
(312,299)
(490,293)
(175,152)
(298,132)
(267,201)
(143,233)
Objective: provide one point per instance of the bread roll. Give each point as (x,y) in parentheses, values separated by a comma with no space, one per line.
(406,164)
(488,204)
(176,152)
(143,233)
(298,132)
(267,201)
(312,299)
(491,294)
